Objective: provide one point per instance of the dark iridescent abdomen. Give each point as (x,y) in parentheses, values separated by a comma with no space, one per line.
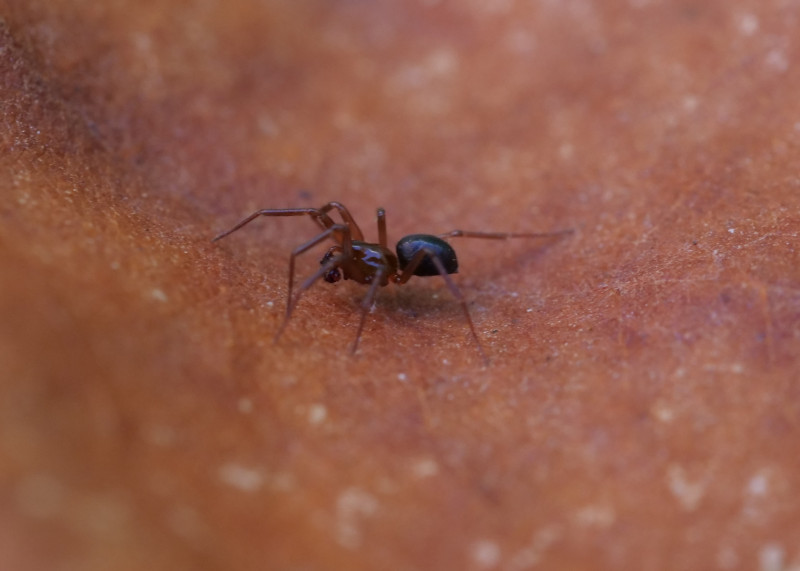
(410,245)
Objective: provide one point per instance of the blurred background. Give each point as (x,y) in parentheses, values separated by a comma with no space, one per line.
(642,404)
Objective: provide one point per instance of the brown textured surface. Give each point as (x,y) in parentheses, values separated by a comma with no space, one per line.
(641,410)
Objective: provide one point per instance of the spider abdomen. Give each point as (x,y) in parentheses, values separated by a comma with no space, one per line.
(409,246)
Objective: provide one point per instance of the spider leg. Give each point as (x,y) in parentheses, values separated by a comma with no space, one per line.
(382,227)
(409,271)
(503,235)
(346,250)
(319,215)
(268,212)
(367,303)
(325,220)
(292,303)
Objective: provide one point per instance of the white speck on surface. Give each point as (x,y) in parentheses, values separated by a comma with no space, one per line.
(437,66)
(777,60)
(442,62)
(770,557)
(520,41)
(758,485)
(270,304)
(690,103)
(731,230)
(530,555)
(663,412)
(486,553)
(491,6)
(688,493)
(40,496)
(241,477)
(245,405)
(425,468)
(445,362)
(748,24)
(159,295)
(402,377)
(599,515)
(530,309)
(352,507)
(317,413)
(267,125)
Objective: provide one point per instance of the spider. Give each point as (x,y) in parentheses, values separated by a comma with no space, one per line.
(374,264)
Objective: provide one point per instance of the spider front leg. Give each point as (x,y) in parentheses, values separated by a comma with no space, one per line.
(270,212)
(503,235)
(346,253)
(408,272)
(319,215)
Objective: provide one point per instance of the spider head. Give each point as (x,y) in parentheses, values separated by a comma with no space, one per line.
(334,274)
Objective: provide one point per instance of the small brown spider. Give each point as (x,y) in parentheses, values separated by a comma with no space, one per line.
(374,264)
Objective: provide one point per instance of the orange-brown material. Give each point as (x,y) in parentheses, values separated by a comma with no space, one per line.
(642,406)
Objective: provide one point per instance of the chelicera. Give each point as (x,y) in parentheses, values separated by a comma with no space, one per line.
(374,264)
